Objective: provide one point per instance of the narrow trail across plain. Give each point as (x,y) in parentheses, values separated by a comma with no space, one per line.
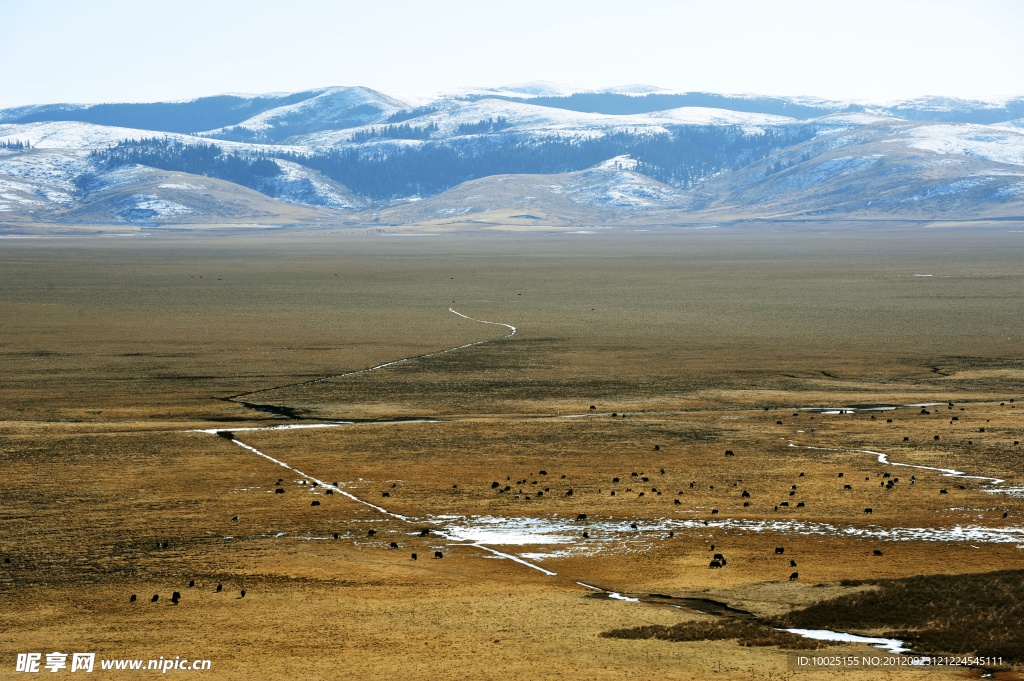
(236,398)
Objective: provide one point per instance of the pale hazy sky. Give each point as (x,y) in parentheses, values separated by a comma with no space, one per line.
(114,50)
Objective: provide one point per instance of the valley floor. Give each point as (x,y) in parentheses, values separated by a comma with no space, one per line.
(806,355)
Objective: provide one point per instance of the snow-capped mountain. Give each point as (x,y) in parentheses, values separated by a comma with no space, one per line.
(353,153)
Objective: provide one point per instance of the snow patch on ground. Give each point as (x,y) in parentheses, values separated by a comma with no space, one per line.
(615,188)
(997,144)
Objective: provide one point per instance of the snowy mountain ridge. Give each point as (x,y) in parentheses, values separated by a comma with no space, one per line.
(852,157)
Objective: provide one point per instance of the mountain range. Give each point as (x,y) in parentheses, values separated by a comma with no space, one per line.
(551,153)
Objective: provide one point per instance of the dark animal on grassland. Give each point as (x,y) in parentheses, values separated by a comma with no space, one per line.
(779,550)
(800,505)
(877,552)
(132,599)
(219,587)
(715,564)
(394,545)
(868,510)
(719,556)
(581,516)
(847,486)
(315,503)
(155,598)
(678,503)
(414,556)
(795,576)
(745,495)
(370,533)
(792,563)
(279,490)
(438,554)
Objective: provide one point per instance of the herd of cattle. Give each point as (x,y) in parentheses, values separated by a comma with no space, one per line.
(719,561)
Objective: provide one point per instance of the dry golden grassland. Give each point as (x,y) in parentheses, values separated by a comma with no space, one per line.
(116,355)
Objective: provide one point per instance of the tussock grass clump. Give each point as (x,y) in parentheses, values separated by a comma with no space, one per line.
(748,633)
(955,614)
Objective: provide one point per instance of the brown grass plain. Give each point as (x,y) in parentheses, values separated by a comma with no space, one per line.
(115,352)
